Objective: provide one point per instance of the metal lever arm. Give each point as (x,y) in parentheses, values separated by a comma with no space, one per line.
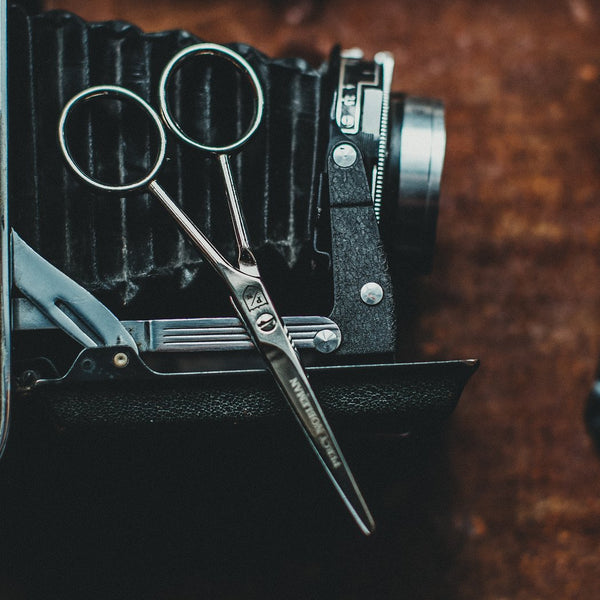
(64,302)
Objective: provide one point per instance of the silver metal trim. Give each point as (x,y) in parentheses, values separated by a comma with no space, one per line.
(5,308)
(349,97)
(219,334)
(386,60)
(422,150)
(63,301)
(190,335)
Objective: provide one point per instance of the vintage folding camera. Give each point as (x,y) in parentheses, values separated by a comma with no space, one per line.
(110,315)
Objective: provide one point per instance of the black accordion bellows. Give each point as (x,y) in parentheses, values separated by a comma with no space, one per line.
(126,250)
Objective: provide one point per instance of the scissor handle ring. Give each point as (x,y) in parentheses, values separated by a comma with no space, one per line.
(112,91)
(237,61)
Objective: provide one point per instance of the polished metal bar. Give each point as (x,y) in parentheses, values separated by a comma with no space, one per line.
(5,307)
(191,335)
(248,294)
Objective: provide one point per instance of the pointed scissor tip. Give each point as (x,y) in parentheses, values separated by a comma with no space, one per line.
(367,528)
(365,523)
(370,529)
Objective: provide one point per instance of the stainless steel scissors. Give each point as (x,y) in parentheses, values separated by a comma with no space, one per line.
(248,294)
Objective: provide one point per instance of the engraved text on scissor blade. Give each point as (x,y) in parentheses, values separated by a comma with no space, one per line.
(316,422)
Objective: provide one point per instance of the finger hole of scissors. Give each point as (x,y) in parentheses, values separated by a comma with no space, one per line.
(240,64)
(123,95)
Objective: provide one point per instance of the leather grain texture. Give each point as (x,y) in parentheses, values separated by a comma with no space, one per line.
(391,398)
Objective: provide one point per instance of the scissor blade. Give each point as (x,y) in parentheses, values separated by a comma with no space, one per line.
(65,303)
(256,311)
(294,384)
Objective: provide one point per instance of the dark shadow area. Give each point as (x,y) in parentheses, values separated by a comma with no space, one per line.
(177,513)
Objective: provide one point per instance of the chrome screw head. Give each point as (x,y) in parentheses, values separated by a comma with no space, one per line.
(326,341)
(371,293)
(344,155)
(266,322)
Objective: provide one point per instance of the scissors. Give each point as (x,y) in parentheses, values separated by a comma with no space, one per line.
(248,294)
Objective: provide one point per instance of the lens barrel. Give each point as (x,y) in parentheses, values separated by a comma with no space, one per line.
(417,143)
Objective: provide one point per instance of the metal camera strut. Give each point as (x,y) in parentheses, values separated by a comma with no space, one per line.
(248,293)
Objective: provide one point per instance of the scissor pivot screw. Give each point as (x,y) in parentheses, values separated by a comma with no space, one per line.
(266,322)
(120,360)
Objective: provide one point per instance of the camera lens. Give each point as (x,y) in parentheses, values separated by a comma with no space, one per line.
(417,142)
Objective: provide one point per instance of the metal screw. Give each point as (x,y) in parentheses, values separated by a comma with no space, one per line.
(344,155)
(120,360)
(347,120)
(87,364)
(28,378)
(266,322)
(371,293)
(326,341)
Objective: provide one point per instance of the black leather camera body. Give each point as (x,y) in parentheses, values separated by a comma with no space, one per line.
(340,190)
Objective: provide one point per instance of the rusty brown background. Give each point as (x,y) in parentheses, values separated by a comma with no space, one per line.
(516,278)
